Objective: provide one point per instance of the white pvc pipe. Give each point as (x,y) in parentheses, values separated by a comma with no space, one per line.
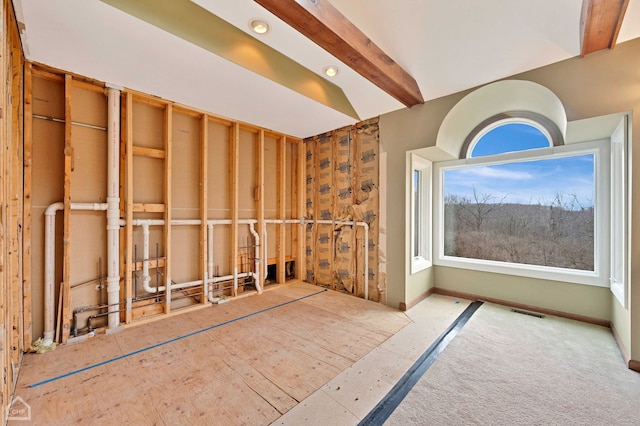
(113,226)
(49,262)
(235,281)
(228,278)
(281,221)
(146,278)
(113,209)
(365,225)
(266,259)
(210,250)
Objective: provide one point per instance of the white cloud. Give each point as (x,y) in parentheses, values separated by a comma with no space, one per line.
(495,173)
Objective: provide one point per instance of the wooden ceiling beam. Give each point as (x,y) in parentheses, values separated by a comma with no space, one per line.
(322,23)
(600,24)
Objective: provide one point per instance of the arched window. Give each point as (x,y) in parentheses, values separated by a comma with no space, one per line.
(508,137)
(511,132)
(518,190)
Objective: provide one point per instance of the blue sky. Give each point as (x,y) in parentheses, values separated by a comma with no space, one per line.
(529,182)
(510,137)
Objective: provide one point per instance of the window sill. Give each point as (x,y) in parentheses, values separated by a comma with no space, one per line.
(529,271)
(419,264)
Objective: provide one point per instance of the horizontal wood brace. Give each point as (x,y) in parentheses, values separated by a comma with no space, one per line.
(148,152)
(148,208)
(153,264)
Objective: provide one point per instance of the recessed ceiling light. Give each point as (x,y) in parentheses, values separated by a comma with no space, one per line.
(259,26)
(330,71)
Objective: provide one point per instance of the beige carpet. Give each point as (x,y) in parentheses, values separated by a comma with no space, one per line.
(506,368)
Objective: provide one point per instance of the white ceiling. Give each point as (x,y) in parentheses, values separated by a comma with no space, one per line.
(446,45)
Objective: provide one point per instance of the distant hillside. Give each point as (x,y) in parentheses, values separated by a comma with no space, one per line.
(557,235)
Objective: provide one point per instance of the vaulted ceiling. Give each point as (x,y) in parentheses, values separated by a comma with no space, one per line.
(389,54)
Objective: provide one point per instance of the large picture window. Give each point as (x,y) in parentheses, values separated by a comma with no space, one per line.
(519,205)
(536,212)
(519,190)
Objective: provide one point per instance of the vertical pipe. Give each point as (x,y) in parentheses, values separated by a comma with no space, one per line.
(366,258)
(49,271)
(50,259)
(266,252)
(235,281)
(113,205)
(256,269)
(210,251)
(146,278)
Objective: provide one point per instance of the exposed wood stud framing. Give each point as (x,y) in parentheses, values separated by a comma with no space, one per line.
(128,277)
(155,118)
(204,188)
(41,72)
(168,145)
(68,161)
(294,229)
(149,152)
(122,194)
(234,163)
(27,331)
(260,196)
(148,208)
(358,282)
(91,86)
(282,209)
(300,208)
(316,203)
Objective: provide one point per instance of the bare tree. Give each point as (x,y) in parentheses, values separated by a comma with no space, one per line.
(479,207)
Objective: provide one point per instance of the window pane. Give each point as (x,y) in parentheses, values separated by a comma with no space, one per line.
(509,138)
(533,212)
(417,212)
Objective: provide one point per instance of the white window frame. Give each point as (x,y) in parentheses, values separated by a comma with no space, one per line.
(420,213)
(620,250)
(598,277)
(499,123)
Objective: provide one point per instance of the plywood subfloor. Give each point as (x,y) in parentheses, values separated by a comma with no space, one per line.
(249,371)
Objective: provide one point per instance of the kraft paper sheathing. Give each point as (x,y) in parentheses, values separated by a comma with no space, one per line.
(367,196)
(309,212)
(342,169)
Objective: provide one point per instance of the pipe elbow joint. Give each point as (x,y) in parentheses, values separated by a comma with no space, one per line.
(53,208)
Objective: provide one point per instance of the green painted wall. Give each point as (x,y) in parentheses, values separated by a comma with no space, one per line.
(603,83)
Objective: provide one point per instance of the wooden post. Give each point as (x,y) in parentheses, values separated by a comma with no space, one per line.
(355,185)
(282,206)
(128,152)
(27,332)
(332,241)
(204,212)
(68,160)
(168,137)
(316,209)
(121,195)
(294,193)
(234,140)
(17,187)
(301,192)
(260,199)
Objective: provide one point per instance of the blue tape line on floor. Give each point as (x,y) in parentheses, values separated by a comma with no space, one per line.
(394,397)
(71,373)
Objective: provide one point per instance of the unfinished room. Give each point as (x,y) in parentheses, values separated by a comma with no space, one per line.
(323,212)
